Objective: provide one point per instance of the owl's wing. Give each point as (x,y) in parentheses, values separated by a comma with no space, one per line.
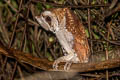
(81,46)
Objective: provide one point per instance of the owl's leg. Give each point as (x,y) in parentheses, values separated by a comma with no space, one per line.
(69,59)
(61,59)
(74,59)
(65,43)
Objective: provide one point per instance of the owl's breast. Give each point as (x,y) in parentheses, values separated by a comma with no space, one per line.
(69,37)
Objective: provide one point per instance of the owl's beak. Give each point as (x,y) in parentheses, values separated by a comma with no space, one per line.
(38,19)
(41,22)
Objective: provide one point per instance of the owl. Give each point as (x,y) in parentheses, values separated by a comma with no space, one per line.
(70,33)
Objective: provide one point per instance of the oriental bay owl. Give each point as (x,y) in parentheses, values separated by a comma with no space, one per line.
(69,31)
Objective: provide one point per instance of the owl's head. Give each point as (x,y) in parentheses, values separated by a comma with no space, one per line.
(52,20)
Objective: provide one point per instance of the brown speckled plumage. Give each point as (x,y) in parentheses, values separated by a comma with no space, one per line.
(74,26)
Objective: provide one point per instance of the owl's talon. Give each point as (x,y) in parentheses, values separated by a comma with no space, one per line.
(55,64)
(67,65)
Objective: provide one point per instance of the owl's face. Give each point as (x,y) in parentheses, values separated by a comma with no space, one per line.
(49,21)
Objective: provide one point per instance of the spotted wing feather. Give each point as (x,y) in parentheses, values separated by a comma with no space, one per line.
(81,46)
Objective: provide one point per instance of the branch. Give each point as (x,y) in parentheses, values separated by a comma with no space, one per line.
(44,64)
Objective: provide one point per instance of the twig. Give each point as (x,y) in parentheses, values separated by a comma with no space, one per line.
(73,6)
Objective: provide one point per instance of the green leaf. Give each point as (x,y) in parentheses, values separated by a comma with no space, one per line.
(93,2)
(96,36)
(61,1)
(14,4)
(87,33)
(1,4)
(115,15)
(39,6)
(105,1)
(51,39)
(48,6)
(48,55)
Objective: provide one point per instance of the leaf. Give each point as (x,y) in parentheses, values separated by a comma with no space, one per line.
(48,55)
(39,6)
(14,4)
(48,6)
(96,36)
(87,33)
(51,39)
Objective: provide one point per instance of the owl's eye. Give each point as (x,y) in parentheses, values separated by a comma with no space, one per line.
(48,19)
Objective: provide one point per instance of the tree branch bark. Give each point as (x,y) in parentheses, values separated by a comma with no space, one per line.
(44,64)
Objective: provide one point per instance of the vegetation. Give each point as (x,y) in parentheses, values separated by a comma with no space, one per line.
(21,35)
